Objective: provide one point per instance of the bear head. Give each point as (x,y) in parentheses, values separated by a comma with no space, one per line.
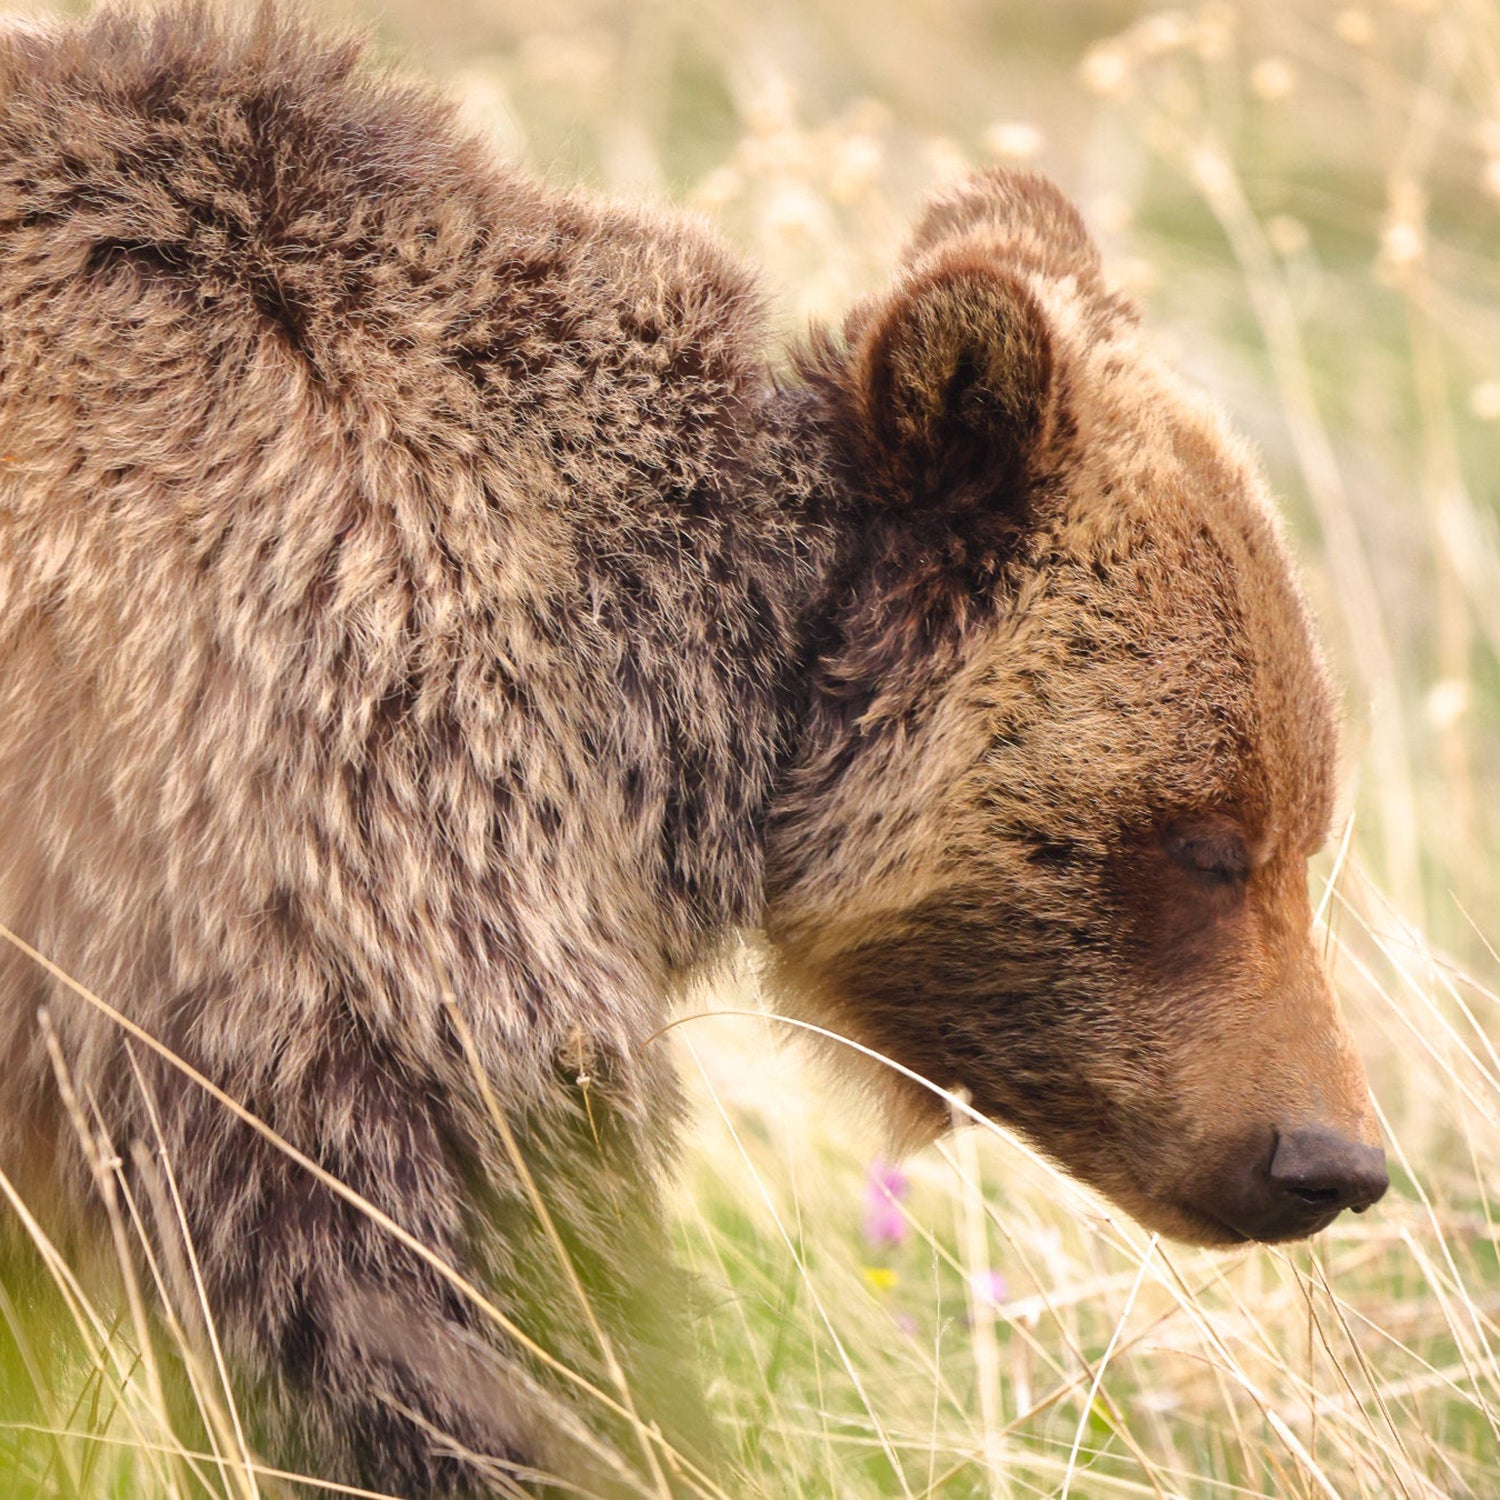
(1070,747)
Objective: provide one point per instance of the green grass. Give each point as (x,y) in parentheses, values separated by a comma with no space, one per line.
(1306,198)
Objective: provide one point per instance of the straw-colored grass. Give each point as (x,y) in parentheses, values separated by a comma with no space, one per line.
(1306,198)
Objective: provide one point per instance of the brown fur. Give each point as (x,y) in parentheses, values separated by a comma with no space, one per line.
(410,580)
(972,863)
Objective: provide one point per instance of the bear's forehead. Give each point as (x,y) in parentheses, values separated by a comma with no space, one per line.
(1164,634)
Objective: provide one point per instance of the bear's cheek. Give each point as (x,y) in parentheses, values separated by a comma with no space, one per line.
(975,991)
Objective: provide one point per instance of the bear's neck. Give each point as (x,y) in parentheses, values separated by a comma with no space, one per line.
(710,603)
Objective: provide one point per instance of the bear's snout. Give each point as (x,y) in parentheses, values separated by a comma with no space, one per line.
(1306,1179)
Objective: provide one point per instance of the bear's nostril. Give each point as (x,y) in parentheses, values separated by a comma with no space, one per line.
(1316,1196)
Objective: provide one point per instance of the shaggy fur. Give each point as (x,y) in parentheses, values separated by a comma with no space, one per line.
(412,585)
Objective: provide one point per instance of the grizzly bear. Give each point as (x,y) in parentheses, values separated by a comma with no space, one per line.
(431,632)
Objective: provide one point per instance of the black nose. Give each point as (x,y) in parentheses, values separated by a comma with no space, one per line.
(1326,1171)
(1292,1183)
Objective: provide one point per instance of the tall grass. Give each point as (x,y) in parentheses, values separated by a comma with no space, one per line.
(1306,198)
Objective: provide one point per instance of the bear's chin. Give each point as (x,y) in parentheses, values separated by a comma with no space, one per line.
(1186,1225)
(1189,1224)
(916,1117)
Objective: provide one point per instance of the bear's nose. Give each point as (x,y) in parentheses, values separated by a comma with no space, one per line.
(1296,1183)
(1326,1171)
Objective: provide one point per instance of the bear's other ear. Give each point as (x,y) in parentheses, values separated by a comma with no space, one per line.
(1024,210)
(953,375)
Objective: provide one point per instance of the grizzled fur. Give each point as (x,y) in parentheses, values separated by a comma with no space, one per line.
(417,601)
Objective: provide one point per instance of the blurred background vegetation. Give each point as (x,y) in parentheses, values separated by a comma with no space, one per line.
(1305,198)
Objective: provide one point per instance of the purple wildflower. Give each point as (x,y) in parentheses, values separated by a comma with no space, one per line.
(885,1190)
(989,1288)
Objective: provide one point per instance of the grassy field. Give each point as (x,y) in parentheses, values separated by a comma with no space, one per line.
(1306,199)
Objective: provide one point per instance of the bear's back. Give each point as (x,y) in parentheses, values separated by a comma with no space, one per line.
(392,564)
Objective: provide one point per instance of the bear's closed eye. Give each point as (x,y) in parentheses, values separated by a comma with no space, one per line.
(1216,851)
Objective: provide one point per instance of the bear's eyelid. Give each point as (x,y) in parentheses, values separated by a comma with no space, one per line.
(1219,849)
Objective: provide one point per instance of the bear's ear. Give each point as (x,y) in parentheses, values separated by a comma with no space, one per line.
(1023,211)
(953,375)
